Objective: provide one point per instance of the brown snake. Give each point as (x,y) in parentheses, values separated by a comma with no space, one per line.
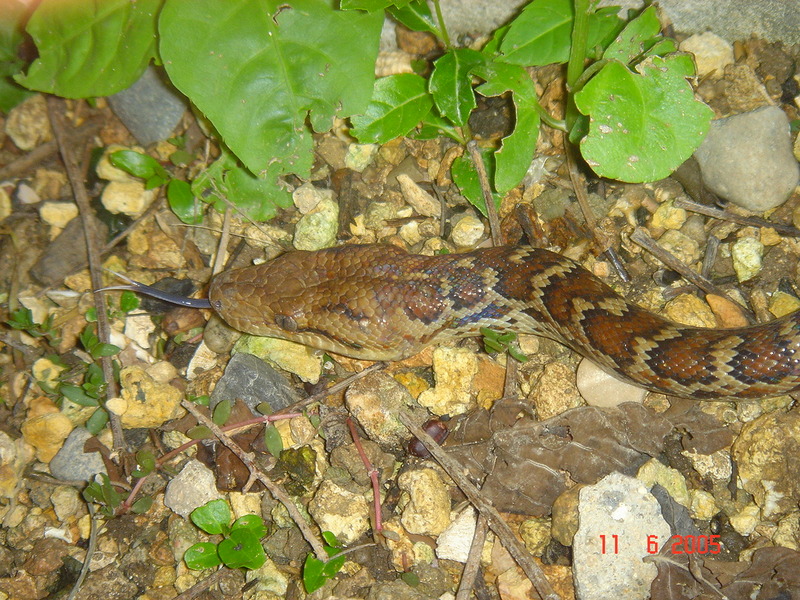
(380,303)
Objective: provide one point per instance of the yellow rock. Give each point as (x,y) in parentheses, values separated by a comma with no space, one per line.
(46,433)
(147,403)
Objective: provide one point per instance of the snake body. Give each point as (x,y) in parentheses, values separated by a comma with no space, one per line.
(381,303)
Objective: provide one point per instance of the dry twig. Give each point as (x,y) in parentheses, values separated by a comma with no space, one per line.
(76,178)
(501,529)
(276,490)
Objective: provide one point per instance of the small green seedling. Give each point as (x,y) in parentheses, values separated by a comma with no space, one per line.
(495,341)
(181,199)
(241,543)
(317,572)
(22,320)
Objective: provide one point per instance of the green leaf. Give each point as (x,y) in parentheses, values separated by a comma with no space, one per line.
(137,164)
(313,579)
(203,400)
(433,126)
(514,157)
(332,541)
(222,412)
(12,19)
(142,505)
(21,319)
(11,94)
(451,84)
(146,461)
(541,34)
(202,556)
(466,178)
(90,48)
(242,549)
(213,517)
(78,396)
(636,38)
(128,301)
(417,16)
(645,124)
(97,421)
(258,199)
(100,350)
(399,102)
(371,5)
(200,432)
(253,523)
(273,441)
(258,68)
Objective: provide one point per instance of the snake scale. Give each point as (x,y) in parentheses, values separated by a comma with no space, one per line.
(378,302)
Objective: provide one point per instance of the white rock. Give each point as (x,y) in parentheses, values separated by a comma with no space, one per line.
(599,388)
(747,254)
(289,356)
(375,401)
(620,511)
(138,328)
(28,125)
(340,511)
(203,360)
(307,197)
(194,486)
(317,229)
(454,369)
(422,201)
(58,214)
(127,197)
(427,511)
(716,466)
(467,231)
(746,520)
(455,541)
(359,156)
(711,53)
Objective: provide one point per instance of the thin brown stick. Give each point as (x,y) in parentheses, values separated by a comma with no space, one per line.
(640,237)
(25,163)
(374,476)
(501,529)
(222,247)
(276,490)
(726,215)
(486,189)
(75,175)
(473,564)
(578,186)
(203,585)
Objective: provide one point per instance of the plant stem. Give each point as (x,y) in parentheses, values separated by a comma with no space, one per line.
(549,119)
(577,56)
(442,27)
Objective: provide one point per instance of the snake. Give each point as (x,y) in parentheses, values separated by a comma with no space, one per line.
(381,303)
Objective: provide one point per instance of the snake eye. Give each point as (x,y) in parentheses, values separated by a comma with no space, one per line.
(286,323)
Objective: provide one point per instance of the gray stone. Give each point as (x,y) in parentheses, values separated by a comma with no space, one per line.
(71,463)
(747,159)
(149,108)
(250,379)
(620,511)
(194,486)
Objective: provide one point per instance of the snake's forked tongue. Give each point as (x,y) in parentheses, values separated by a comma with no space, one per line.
(141,288)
